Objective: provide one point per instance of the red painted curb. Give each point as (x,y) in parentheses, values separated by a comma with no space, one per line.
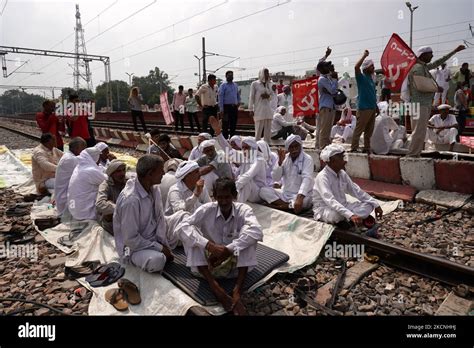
(454,176)
(385,169)
(386,190)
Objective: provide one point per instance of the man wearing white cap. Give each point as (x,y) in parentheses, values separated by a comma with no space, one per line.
(212,164)
(420,95)
(105,155)
(188,193)
(330,188)
(385,131)
(295,170)
(109,192)
(344,128)
(366,102)
(443,127)
(260,97)
(252,172)
(195,152)
(84,185)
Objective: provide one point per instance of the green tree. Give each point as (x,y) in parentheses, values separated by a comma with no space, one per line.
(17,101)
(152,85)
(84,94)
(120,92)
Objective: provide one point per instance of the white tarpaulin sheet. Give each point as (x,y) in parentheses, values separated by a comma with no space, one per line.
(12,170)
(301,238)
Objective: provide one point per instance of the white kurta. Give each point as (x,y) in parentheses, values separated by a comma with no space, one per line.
(167,181)
(297,178)
(261,107)
(195,154)
(141,229)
(239,233)
(63,175)
(286,101)
(279,122)
(252,177)
(181,198)
(382,140)
(329,197)
(446,136)
(83,188)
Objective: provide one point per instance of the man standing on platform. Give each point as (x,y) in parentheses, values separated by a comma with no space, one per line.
(229,101)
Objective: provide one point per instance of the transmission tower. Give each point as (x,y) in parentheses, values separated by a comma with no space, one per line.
(81,66)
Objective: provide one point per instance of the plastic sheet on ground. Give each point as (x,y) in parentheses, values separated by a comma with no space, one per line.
(12,170)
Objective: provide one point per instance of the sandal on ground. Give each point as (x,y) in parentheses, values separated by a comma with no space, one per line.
(117,299)
(19,239)
(106,275)
(45,223)
(132,294)
(16,211)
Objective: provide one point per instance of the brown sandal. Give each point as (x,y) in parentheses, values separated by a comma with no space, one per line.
(116,298)
(132,294)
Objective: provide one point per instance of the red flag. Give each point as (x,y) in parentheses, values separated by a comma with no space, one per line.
(305,97)
(165,108)
(397,60)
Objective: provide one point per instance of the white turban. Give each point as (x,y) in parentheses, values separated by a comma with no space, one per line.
(113,166)
(265,150)
(330,151)
(94,152)
(291,139)
(205,136)
(185,168)
(423,49)
(280,109)
(206,143)
(172,164)
(250,141)
(366,64)
(237,140)
(444,107)
(101,146)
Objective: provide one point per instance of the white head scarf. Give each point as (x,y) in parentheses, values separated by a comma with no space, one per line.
(185,168)
(261,75)
(265,150)
(94,152)
(250,141)
(101,146)
(206,136)
(280,109)
(348,116)
(237,140)
(366,64)
(423,49)
(291,139)
(206,143)
(113,166)
(330,151)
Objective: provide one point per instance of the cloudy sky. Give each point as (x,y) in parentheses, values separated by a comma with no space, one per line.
(283,35)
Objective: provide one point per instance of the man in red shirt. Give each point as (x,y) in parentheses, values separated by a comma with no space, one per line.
(78,125)
(48,122)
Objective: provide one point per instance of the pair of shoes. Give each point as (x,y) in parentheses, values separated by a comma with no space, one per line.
(106,275)
(45,223)
(126,293)
(86,268)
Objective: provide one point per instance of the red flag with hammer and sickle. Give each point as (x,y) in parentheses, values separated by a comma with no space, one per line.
(397,60)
